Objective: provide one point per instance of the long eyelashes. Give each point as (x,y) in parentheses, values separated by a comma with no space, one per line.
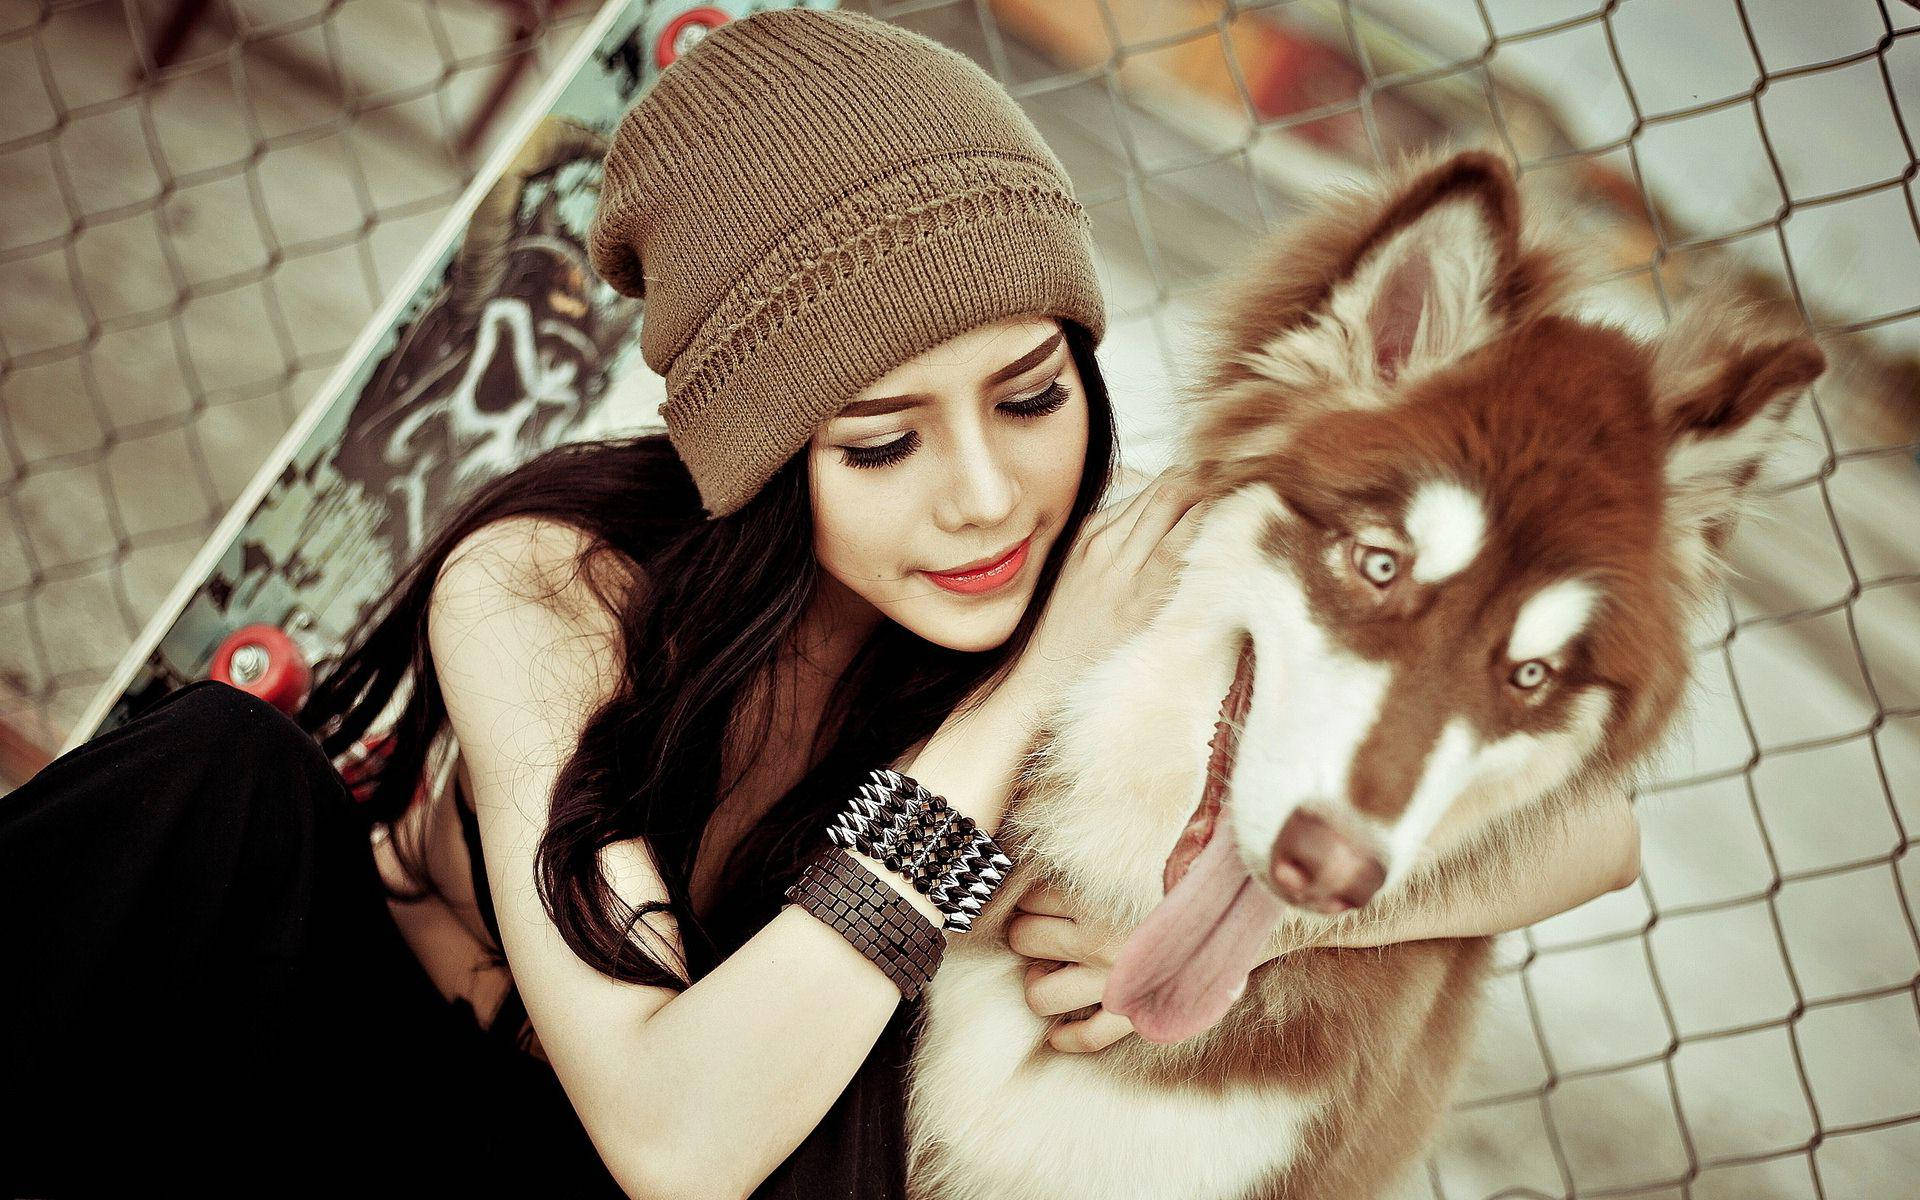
(1038,405)
(880,456)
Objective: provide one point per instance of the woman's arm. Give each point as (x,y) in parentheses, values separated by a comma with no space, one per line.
(693,1093)
(1592,849)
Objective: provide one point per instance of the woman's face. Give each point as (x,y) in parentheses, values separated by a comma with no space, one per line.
(955,457)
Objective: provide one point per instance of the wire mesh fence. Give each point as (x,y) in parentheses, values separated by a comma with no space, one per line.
(190,249)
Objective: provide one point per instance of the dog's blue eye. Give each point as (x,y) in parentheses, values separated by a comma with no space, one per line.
(1378,567)
(1530,674)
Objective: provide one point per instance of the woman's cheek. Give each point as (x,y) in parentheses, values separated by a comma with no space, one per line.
(1064,453)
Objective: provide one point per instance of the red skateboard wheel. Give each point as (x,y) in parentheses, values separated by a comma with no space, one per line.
(686,29)
(263,660)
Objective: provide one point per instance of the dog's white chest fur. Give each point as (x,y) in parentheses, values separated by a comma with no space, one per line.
(994,1122)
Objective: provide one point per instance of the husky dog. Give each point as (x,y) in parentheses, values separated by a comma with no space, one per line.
(1457,531)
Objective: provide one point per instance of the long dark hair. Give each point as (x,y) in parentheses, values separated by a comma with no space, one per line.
(720,599)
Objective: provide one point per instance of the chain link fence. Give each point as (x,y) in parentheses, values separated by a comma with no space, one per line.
(191,248)
(188,252)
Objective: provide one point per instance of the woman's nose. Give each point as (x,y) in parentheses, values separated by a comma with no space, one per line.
(983,489)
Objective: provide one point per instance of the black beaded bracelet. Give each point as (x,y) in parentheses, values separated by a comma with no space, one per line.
(879,922)
(948,858)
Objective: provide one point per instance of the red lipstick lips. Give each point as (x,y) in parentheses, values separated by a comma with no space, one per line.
(983,577)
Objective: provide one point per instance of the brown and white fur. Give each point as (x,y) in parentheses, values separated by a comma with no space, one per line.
(1406,372)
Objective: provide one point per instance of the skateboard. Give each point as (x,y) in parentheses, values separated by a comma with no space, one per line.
(499,343)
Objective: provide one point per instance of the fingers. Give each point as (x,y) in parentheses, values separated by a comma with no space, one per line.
(1121,514)
(1033,935)
(1047,900)
(1060,981)
(1127,480)
(1129,513)
(1171,551)
(1097,1032)
(1052,989)
(1186,528)
(1175,494)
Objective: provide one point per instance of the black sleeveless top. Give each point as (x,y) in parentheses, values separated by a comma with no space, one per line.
(512,1018)
(857,1152)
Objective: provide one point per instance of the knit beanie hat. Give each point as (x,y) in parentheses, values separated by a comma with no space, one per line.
(805,200)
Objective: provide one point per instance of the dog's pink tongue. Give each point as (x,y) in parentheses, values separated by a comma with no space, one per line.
(1188,961)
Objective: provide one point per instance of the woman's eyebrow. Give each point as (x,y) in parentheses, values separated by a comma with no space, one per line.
(881,405)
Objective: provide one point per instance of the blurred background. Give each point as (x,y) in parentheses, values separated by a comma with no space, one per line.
(208,204)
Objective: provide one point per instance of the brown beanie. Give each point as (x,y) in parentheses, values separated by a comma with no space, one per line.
(806,199)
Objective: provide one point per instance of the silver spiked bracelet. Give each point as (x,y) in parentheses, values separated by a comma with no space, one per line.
(950,860)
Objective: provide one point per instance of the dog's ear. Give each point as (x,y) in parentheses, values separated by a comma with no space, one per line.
(1725,380)
(1432,276)
(1385,283)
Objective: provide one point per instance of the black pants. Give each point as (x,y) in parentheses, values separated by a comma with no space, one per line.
(201,987)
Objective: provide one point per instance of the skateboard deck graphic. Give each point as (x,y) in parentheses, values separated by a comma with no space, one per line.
(499,343)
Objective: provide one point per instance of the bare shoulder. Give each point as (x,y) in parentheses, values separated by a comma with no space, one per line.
(524,631)
(557,565)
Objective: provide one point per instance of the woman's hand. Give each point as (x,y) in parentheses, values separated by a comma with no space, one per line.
(1113,581)
(1071,959)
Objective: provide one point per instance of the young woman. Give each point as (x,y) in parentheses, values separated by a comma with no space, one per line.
(657,666)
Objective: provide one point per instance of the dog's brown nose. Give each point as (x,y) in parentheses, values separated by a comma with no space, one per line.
(1316,866)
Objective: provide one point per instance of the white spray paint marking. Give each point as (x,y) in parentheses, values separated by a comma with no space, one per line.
(1554,616)
(1447,524)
